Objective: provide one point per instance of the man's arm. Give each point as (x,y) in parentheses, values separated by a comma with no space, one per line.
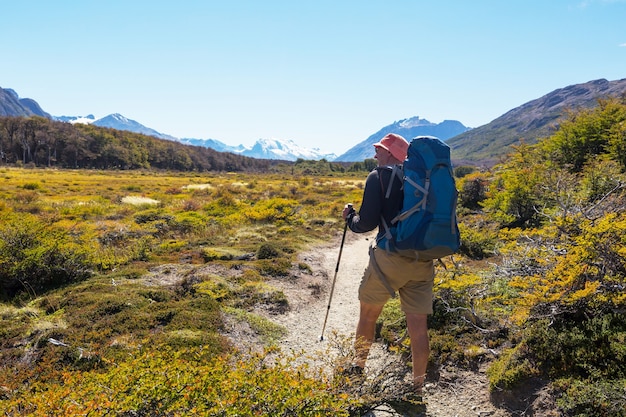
(368,217)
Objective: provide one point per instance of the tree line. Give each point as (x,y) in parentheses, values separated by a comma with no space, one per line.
(41,142)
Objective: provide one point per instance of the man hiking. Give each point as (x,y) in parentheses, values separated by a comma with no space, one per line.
(388,272)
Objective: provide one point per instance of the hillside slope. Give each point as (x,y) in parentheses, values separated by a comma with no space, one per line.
(530,121)
(12,105)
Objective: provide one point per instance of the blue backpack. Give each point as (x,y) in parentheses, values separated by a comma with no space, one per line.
(426,226)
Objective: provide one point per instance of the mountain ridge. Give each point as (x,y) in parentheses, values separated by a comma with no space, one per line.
(407,128)
(115,121)
(483,145)
(530,121)
(264,148)
(11,104)
(268,148)
(271,148)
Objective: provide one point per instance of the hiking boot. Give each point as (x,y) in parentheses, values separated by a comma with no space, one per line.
(409,405)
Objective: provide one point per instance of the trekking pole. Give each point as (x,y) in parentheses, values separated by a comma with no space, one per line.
(332,288)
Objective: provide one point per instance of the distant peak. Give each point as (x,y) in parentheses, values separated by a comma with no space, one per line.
(413,122)
(13,93)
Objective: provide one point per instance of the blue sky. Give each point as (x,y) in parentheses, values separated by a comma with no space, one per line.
(324,73)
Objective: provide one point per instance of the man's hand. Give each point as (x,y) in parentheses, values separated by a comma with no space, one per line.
(347,211)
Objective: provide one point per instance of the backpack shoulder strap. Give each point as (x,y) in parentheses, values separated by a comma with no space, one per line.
(396,171)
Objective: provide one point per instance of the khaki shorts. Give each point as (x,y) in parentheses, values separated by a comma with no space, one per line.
(411,278)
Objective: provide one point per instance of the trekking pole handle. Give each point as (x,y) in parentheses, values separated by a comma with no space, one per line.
(350,208)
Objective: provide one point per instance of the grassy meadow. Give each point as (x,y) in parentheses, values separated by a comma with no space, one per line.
(77,246)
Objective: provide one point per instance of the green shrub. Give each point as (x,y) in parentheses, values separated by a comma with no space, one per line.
(31,186)
(581,345)
(188,383)
(110,311)
(267,251)
(473,191)
(267,331)
(274,267)
(216,288)
(477,243)
(305,268)
(511,369)
(585,398)
(35,257)
(25,198)
(187,222)
(152,215)
(217,254)
(463,170)
(257,293)
(280,210)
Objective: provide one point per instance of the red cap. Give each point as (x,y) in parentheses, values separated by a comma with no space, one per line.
(395,144)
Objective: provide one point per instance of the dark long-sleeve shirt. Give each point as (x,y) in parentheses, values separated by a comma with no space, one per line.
(375,205)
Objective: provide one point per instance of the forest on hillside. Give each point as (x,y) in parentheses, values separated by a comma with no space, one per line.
(537,290)
(41,142)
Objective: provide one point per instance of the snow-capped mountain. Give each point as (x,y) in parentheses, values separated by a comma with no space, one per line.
(115,121)
(213,144)
(119,122)
(408,128)
(286,150)
(89,119)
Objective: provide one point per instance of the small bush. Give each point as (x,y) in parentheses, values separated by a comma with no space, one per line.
(280,210)
(187,222)
(26,197)
(35,257)
(267,251)
(463,170)
(216,254)
(563,344)
(512,368)
(477,243)
(586,398)
(473,192)
(31,186)
(268,331)
(274,267)
(151,216)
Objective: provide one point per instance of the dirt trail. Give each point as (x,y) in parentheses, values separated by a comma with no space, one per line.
(452,394)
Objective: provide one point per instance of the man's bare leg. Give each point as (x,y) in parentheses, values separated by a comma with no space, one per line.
(366,331)
(420,348)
